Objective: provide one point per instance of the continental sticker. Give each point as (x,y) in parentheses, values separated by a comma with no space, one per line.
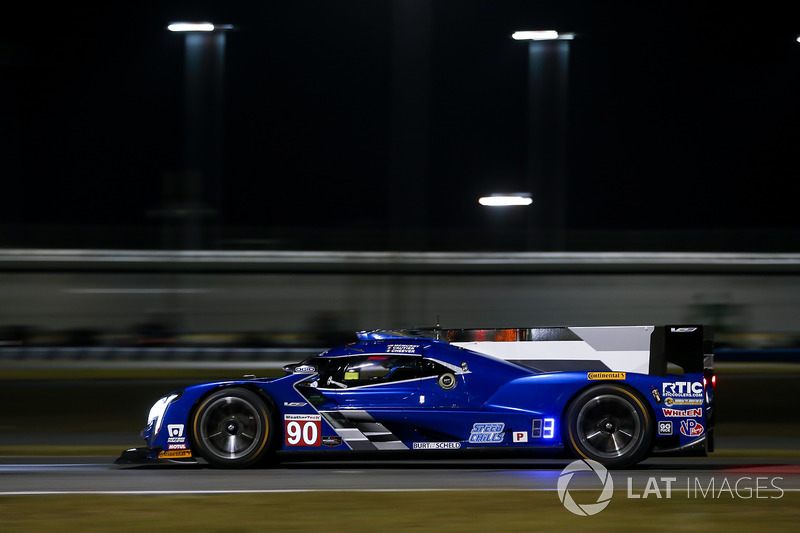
(174,454)
(606,375)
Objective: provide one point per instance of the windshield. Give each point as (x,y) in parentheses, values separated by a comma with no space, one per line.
(357,371)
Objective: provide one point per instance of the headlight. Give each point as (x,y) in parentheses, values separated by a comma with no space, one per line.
(156,415)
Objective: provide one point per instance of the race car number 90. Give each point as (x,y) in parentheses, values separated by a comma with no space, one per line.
(302,430)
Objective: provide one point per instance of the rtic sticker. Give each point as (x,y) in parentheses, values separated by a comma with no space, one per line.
(683,389)
(302,430)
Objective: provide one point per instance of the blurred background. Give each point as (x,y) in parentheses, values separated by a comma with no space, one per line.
(314,168)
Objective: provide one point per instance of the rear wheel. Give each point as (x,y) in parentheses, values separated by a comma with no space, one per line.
(231,428)
(609,424)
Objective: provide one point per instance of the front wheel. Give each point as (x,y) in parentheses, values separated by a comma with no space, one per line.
(609,424)
(231,428)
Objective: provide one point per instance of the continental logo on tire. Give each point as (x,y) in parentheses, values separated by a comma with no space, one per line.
(605,375)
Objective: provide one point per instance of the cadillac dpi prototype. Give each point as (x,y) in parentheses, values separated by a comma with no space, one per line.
(616,395)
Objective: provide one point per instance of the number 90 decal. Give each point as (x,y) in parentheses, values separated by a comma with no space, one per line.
(302,430)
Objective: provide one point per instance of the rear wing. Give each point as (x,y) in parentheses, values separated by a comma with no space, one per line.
(654,350)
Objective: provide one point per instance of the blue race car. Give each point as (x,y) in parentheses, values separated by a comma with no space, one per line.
(615,395)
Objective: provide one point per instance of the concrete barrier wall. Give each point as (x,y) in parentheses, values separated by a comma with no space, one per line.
(202,303)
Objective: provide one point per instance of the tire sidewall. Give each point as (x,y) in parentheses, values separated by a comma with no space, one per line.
(263,412)
(637,453)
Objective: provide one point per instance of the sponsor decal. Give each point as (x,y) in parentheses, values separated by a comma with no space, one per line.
(520,436)
(436,445)
(683,389)
(175,433)
(682,330)
(403,348)
(606,375)
(302,430)
(174,454)
(487,433)
(682,401)
(691,428)
(656,394)
(665,427)
(294,404)
(682,413)
(330,442)
(304,369)
(176,446)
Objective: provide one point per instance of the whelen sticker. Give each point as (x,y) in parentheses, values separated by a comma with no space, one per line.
(302,430)
(682,413)
(606,375)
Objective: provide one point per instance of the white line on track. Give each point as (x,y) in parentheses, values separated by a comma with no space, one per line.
(271,491)
(245,491)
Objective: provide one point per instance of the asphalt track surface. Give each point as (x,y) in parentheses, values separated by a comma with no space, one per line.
(98,475)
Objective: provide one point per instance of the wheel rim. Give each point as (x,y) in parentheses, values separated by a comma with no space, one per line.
(609,426)
(230,428)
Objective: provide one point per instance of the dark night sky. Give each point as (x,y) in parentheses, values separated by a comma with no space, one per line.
(681,114)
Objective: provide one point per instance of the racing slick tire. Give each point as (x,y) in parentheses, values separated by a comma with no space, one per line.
(609,424)
(231,428)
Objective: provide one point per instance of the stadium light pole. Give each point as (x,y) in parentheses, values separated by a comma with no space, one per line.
(191,196)
(548,62)
(200,182)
